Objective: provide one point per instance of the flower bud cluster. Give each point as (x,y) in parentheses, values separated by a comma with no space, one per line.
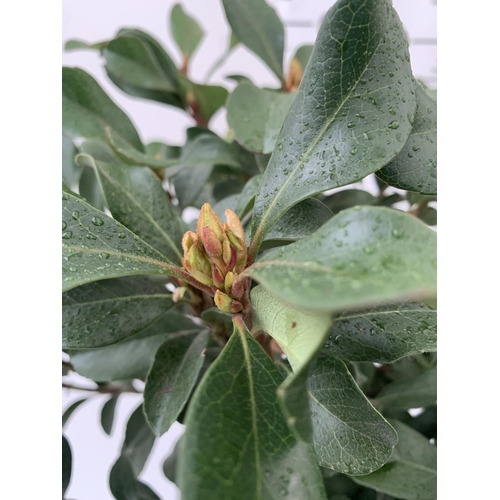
(215,255)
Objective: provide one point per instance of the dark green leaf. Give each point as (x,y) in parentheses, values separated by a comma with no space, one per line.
(161,151)
(300,221)
(426,423)
(146,493)
(133,357)
(69,411)
(415,167)
(350,436)
(205,100)
(108,311)
(122,482)
(170,464)
(256,25)
(390,200)
(138,65)
(299,333)
(185,31)
(108,414)
(256,116)
(172,378)
(237,443)
(428,215)
(417,392)
(71,172)
(350,114)
(87,110)
(348,198)
(362,256)
(411,473)
(188,184)
(383,334)
(247,196)
(96,247)
(139,440)
(136,198)
(90,188)
(66,465)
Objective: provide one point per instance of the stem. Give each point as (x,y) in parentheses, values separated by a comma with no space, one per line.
(102,389)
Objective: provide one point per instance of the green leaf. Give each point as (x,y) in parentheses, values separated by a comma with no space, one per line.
(256,25)
(139,66)
(108,414)
(237,443)
(256,116)
(348,198)
(383,334)
(138,441)
(170,464)
(417,392)
(415,167)
(205,100)
(67,464)
(220,61)
(299,333)
(71,172)
(188,184)
(132,156)
(133,357)
(87,110)
(80,44)
(390,200)
(172,378)
(185,31)
(350,114)
(122,482)
(411,473)
(303,54)
(69,411)
(96,247)
(86,309)
(90,188)
(362,256)
(350,436)
(247,196)
(428,215)
(146,493)
(161,151)
(229,202)
(136,198)
(300,221)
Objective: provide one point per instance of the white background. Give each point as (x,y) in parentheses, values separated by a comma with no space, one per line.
(94,20)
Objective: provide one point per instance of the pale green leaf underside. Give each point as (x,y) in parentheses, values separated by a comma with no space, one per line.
(352,113)
(362,256)
(96,247)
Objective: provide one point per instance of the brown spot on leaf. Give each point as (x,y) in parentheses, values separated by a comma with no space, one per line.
(294,324)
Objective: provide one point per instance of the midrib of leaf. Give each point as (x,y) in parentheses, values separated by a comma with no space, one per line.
(144,211)
(418,466)
(379,313)
(256,239)
(119,299)
(263,39)
(246,351)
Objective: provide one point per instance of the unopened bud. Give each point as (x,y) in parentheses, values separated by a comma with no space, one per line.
(241,252)
(188,240)
(217,277)
(226,304)
(228,282)
(233,225)
(198,265)
(209,218)
(212,245)
(294,76)
(237,290)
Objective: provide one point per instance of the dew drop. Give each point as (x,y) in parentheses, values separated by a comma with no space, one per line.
(64,225)
(75,215)
(67,235)
(97,221)
(394,125)
(122,235)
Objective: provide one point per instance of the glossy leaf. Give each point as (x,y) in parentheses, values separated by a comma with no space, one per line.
(140,66)
(237,444)
(300,221)
(185,31)
(96,247)
(108,311)
(90,188)
(298,333)
(415,167)
(133,357)
(383,334)
(67,465)
(122,482)
(350,436)
(71,172)
(348,198)
(87,110)
(361,257)
(256,116)
(417,392)
(411,473)
(350,115)
(136,198)
(108,414)
(69,411)
(256,25)
(172,377)
(138,441)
